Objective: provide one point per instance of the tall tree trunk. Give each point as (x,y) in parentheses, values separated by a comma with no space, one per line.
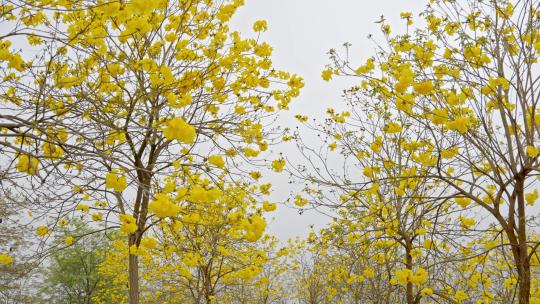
(141,211)
(133,278)
(409,265)
(524,282)
(522,261)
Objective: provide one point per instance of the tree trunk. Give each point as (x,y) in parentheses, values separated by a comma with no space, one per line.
(522,261)
(409,265)
(524,282)
(133,278)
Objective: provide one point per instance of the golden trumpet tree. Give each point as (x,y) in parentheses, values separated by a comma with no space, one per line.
(206,255)
(149,108)
(383,204)
(469,80)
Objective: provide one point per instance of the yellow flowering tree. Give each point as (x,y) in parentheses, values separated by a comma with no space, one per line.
(150,107)
(202,257)
(384,204)
(468,80)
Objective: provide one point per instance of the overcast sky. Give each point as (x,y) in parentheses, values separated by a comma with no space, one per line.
(301,33)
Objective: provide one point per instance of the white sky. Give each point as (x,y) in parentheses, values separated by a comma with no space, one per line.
(301,33)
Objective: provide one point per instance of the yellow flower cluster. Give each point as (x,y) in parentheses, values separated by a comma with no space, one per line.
(254,227)
(69,240)
(199,194)
(5,259)
(216,160)
(129,224)
(27,164)
(42,231)
(163,207)
(178,129)
(278,165)
(115,181)
(14,61)
(404,276)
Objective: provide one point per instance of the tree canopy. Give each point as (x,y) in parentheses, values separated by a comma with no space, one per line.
(137,137)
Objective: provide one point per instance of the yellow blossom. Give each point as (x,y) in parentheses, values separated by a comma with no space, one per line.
(42,231)
(216,160)
(177,128)
(27,164)
(376,145)
(82,207)
(300,201)
(424,87)
(467,223)
(268,207)
(260,26)
(460,124)
(278,165)
(129,224)
(5,259)
(450,153)
(532,151)
(463,202)
(163,207)
(392,127)
(460,296)
(116,182)
(69,240)
(403,276)
(98,216)
(327,75)
(531,198)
